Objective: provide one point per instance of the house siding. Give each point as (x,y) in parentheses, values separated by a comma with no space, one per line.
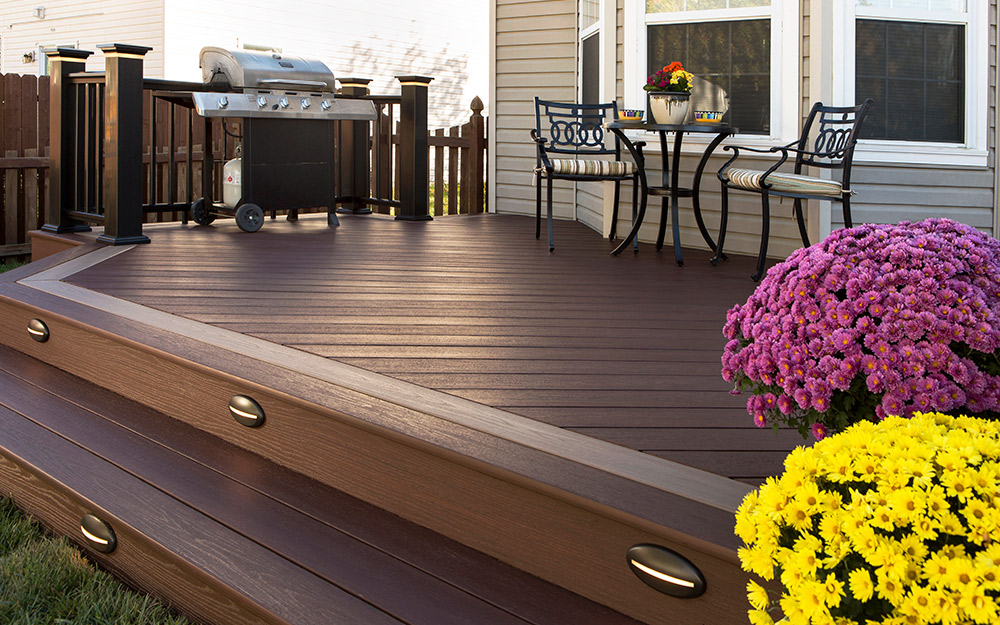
(535,55)
(886,192)
(83,24)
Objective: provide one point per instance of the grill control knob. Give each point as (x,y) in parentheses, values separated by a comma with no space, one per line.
(325,104)
(305,103)
(261,101)
(283,103)
(223,102)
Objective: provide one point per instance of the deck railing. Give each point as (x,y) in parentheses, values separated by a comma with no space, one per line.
(58,166)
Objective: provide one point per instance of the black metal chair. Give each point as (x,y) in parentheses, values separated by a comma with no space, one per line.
(570,146)
(833,148)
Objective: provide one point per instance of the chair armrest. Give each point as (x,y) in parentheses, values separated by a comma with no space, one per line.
(537,139)
(782,149)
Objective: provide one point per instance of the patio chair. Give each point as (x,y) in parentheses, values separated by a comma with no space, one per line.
(570,146)
(833,148)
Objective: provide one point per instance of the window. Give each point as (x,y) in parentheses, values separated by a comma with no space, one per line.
(924,62)
(734,55)
(916,75)
(747,47)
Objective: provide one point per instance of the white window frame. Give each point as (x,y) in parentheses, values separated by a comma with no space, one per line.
(785,62)
(975,151)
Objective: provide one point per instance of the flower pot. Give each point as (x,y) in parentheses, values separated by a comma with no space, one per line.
(668,107)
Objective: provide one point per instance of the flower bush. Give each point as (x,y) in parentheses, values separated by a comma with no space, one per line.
(671,78)
(875,320)
(895,522)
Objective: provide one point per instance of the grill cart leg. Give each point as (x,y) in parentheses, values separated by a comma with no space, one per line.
(331,218)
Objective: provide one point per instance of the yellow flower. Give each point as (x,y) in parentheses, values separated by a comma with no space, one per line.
(913,548)
(757,561)
(978,606)
(889,588)
(961,574)
(860,582)
(798,516)
(834,589)
(906,504)
(958,483)
(760,617)
(936,569)
(758,596)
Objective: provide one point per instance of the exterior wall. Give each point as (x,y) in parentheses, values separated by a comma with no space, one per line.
(79,23)
(535,55)
(886,192)
(445,39)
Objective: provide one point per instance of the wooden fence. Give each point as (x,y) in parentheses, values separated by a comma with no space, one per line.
(173,152)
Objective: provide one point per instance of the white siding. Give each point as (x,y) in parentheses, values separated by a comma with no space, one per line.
(535,56)
(83,24)
(445,39)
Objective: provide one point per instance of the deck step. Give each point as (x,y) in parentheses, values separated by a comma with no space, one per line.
(231,537)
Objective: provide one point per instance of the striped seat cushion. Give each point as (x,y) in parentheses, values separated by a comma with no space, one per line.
(605,169)
(749,179)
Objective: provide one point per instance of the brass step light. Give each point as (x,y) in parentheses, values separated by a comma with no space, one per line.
(246,411)
(38,330)
(666,571)
(99,534)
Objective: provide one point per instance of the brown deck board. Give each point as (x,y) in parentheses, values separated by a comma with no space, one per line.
(478,308)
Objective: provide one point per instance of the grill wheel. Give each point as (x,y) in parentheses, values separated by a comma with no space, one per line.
(249,217)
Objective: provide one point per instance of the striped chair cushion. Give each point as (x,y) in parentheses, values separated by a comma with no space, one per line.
(749,179)
(605,169)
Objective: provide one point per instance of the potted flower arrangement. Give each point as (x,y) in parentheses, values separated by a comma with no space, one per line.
(875,320)
(669,93)
(890,523)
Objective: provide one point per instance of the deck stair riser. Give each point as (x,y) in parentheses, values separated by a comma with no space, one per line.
(540,526)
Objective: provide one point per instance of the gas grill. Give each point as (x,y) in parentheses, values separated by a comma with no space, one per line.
(289,109)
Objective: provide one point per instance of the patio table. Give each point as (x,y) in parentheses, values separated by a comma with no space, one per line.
(670,188)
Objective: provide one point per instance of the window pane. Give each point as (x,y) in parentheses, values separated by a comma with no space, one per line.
(591,69)
(734,55)
(588,13)
(670,6)
(916,75)
(920,5)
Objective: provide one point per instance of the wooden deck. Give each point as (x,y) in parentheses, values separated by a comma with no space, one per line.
(451,374)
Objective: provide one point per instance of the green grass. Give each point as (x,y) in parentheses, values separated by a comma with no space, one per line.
(45,580)
(7,265)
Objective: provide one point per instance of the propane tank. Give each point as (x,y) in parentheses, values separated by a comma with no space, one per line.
(232,188)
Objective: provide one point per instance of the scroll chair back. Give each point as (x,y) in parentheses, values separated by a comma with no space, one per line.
(829,137)
(570,142)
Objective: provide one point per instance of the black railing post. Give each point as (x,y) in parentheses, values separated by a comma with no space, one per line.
(413,149)
(63,163)
(355,167)
(123,144)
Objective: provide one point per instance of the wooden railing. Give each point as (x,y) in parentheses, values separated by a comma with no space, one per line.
(68,181)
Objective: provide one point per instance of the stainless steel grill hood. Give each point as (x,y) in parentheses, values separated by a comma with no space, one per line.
(242,70)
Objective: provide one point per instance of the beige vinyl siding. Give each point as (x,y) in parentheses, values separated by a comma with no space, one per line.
(80,23)
(535,56)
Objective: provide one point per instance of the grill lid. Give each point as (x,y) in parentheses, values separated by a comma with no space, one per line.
(249,70)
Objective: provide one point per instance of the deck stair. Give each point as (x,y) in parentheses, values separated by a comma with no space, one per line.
(229,536)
